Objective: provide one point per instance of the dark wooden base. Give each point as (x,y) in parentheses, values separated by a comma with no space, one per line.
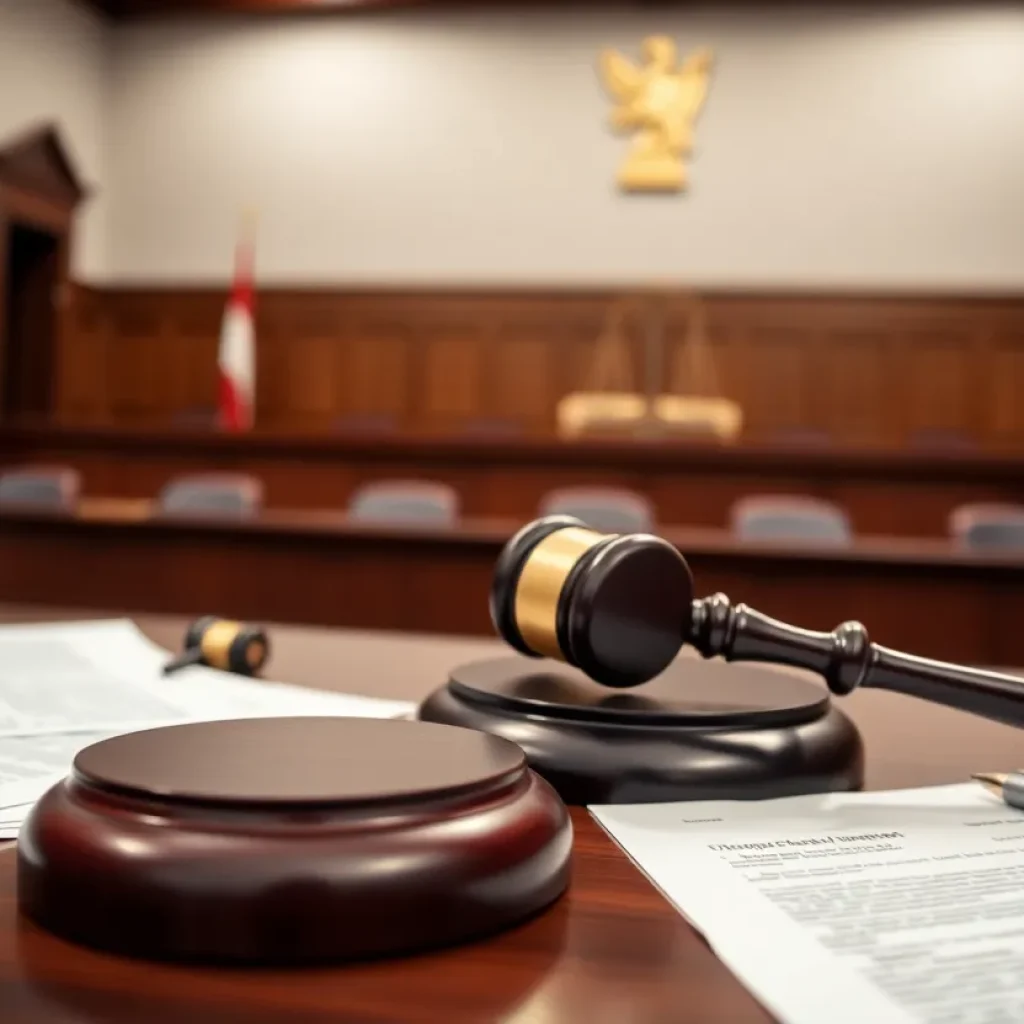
(700,731)
(292,841)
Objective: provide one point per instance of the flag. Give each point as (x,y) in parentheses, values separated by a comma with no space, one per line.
(236,358)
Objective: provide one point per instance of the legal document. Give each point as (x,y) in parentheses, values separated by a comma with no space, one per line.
(65,686)
(29,765)
(904,907)
(107,675)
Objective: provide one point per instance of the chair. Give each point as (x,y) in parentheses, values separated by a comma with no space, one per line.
(43,488)
(608,509)
(796,518)
(988,526)
(223,495)
(405,501)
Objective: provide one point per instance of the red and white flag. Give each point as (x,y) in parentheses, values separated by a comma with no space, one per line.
(236,358)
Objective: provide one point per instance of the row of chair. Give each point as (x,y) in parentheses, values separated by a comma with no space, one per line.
(787,518)
(794,518)
(233,495)
(783,518)
(58,489)
(387,501)
(979,526)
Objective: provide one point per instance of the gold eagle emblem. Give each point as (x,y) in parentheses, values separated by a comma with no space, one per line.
(660,101)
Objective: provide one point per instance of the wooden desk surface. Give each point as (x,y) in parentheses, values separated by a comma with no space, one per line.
(612,951)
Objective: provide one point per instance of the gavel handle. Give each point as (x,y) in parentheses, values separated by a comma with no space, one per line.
(847,659)
(191,656)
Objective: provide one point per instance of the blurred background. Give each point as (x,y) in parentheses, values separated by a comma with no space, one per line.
(355,288)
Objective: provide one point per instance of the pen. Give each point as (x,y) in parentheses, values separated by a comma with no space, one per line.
(1008,785)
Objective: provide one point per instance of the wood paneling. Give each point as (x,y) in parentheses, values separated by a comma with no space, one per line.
(856,398)
(1001,375)
(922,596)
(850,371)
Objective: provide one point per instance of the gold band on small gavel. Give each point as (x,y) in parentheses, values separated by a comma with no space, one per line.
(540,584)
(216,642)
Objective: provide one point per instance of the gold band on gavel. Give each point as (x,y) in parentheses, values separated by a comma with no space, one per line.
(540,584)
(216,642)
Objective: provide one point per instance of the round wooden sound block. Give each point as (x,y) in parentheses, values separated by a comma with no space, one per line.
(702,730)
(291,841)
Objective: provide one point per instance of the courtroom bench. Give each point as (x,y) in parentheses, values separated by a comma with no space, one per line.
(302,566)
(885,492)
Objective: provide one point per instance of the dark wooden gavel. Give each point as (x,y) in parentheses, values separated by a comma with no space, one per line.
(223,644)
(621,607)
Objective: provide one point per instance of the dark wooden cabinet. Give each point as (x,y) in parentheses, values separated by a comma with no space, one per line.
(39,191)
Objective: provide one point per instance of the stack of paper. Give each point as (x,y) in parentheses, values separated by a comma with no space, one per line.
(65,686)
(904,907)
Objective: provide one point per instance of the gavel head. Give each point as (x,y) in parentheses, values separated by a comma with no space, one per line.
(618,607)
(230,646)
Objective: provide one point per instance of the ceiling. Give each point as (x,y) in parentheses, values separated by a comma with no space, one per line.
(132,8)
(135,8)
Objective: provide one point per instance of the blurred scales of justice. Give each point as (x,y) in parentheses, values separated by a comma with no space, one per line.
(610,403)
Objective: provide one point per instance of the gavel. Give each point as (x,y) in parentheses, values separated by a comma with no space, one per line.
(223,644)
(620,607)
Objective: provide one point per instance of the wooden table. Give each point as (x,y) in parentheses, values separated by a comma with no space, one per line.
(310,567)
(908,493)
(611,951)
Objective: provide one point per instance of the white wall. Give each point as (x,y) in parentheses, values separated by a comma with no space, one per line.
(875,149)
(54,67)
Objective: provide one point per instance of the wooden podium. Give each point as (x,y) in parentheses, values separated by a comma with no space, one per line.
(292,841)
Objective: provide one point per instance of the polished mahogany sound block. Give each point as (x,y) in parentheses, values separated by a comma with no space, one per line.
(292,841)
(699,731)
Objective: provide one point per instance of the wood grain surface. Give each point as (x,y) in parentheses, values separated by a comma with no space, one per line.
(612,942)
(923,596)
(613,950)
(354,839)
(840,369)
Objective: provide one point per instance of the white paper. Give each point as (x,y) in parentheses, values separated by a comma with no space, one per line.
(890,908)
(205,693)
(107,676)
(48,683)
(65,686)
(29,765)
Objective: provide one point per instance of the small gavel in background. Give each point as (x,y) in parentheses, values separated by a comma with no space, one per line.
(221,643)
(621,607)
